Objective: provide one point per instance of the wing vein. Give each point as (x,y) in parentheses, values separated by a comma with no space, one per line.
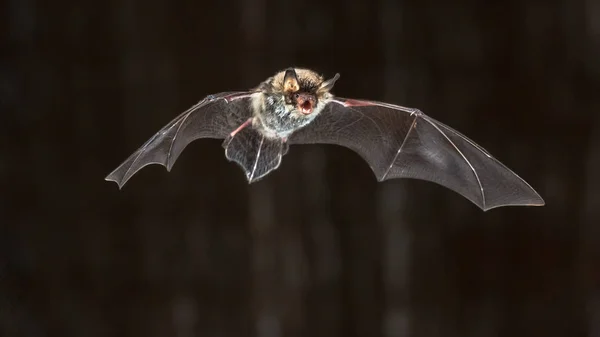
(140,151)
(262,139)
(463,156)
(412,125)
(475,145)
(186,115)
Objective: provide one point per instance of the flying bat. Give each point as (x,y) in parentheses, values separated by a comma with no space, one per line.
(296,106)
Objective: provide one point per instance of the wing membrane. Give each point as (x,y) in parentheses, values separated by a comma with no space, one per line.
(255,153)
(213,117)
(401,142)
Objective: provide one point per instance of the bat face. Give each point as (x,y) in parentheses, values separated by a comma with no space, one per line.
(295,106)
(289,101)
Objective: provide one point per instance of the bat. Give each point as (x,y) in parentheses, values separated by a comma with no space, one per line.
(296,106)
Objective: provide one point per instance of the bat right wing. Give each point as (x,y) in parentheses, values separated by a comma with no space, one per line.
(213,117)
(401,142)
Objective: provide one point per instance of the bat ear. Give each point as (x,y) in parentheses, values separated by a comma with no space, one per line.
(328,85)
(290,81)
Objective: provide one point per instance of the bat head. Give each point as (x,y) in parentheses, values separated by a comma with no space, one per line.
(290,100)
(303,89)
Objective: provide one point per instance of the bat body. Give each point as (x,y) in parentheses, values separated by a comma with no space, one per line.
(296,106)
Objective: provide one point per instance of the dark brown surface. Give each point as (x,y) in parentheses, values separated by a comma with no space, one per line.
(319,248)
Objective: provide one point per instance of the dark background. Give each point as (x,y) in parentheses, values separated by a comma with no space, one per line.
(318,248)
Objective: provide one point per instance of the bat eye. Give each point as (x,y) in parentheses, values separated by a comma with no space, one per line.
(296,95)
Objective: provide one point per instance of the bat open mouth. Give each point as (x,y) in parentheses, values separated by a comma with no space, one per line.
(306,107)
(305,103)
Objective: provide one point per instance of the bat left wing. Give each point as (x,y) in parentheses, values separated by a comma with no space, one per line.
(401,142)
(213,117)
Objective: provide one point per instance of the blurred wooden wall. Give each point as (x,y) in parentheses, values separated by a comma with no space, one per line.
(319,248)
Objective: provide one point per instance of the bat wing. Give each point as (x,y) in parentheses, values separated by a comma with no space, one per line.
(213,117)
(401,142)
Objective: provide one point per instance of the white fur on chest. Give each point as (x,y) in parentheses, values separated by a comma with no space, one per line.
(276,119)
